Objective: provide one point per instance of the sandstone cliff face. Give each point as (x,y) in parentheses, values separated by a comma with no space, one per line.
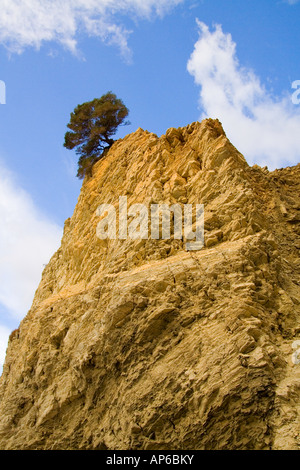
(139,344)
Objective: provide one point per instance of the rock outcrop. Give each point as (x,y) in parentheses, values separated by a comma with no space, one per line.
(140,344)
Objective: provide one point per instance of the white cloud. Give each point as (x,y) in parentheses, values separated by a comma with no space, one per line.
(4,334)
(27,241)
(32,22)
(265,128)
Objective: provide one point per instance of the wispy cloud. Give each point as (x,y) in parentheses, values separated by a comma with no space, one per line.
(265,128)
(27,241)
(33,22)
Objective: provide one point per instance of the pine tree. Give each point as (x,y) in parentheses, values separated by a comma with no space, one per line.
(92,125)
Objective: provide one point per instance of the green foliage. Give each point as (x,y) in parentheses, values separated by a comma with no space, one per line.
(92,125)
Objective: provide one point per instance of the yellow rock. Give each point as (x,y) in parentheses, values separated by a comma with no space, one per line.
(134,344)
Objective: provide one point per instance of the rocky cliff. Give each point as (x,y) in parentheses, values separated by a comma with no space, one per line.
(140,344)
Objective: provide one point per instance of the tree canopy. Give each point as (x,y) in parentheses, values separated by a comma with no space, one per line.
(92,125)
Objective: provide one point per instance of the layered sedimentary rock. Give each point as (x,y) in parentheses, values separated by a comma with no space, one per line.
(141,344)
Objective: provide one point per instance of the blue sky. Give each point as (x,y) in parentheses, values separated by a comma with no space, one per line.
(171,61)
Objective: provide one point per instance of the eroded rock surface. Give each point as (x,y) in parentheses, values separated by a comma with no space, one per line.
(140,344)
